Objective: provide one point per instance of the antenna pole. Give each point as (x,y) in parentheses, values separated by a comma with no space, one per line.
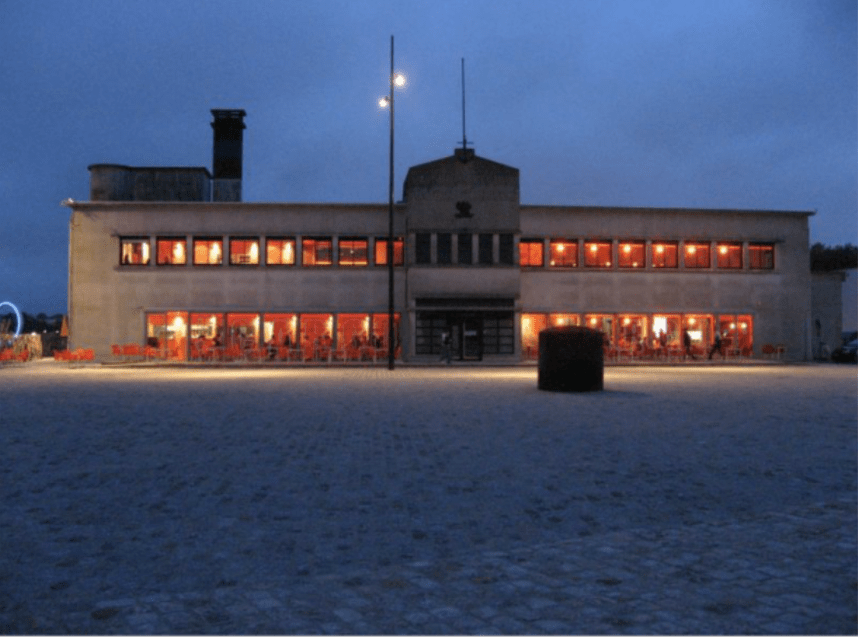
(464,137)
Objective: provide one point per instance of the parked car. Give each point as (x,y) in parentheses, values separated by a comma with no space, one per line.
(846,353)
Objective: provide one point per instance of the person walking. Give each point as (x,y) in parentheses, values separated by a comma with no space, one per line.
(716,346)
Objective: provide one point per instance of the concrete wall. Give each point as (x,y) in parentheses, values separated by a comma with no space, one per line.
(827,314)
(779,300)
(107,301)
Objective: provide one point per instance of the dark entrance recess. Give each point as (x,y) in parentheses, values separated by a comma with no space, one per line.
(473,334)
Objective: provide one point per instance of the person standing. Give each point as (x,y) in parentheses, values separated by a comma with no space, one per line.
(446,353)
(686,341)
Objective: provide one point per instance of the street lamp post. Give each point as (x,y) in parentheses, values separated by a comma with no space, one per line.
(387,101)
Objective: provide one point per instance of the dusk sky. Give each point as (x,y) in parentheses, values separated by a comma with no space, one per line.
(687,103)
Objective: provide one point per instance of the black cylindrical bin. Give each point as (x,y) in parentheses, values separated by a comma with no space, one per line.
(571,359)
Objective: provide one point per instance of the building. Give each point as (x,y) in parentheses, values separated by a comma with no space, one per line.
(172,258)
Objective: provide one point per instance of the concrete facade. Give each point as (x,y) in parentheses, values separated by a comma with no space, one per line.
(465,270)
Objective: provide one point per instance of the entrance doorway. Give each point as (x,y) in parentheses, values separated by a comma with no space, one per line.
(473,334)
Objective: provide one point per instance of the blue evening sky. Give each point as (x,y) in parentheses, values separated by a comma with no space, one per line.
(681,103)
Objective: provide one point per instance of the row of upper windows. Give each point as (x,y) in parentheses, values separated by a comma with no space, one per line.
(247,251)
(564,253)
(355,251)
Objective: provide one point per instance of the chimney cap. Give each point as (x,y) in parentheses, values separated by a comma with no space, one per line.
(229,113)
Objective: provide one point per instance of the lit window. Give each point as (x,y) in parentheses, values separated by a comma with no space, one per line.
(134,251)
(597,254)
(171,251)
(381,251)
(353,252)
(280,251)
(317,251)
(244,251)
(208,251)
(697,255)
(563,253)
(631,254)
(761,256)
(729,256)
(530,253)
(665,254)
(531,326)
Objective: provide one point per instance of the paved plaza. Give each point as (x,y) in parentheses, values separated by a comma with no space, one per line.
(711,499)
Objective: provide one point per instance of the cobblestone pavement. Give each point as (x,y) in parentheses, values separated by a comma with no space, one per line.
(710,500)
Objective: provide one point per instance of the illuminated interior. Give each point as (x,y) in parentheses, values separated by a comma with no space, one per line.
(171,251)
(244,251)
(381,252)
(597,254)
(134,251)
(761,256)
(208,251)
(631,254)
(665,254)
(563,253)
(530,253)
(729,256)
(353,252)
(316,252)
(280,251)
(697,255)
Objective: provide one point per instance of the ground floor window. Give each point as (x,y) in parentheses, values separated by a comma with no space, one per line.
(269,336)
(649,335)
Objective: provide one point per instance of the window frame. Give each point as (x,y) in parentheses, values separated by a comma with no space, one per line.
(173,241)
(485,248)
(233,254)
(353,261)
(316,244)
(422,248)
(146,252)
(381,251)
(729,255)
(199,241)
(761,256)
(444,248)
(526,258)
(660,261)
(597,262)
(627,250)
(283,240)
(696,247)
(565,244)
(465,248)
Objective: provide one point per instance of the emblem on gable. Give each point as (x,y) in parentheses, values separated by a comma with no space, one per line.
(464,209)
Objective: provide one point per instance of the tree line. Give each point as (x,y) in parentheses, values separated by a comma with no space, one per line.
(827,258)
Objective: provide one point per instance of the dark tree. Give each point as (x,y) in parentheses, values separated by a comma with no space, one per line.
(826,258)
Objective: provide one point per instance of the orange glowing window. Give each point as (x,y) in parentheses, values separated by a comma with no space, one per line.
(631,254)
(134,251)
(208,251)
(317,251)
(530,253)
(171,251)
(597,254)
(353,252)
(665,254)
(563,253)
(697,255)
(761,256)
(729,256)
(381,251)
(244,251)
(280,251)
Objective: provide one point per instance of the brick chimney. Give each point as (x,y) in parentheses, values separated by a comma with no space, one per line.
(228,128)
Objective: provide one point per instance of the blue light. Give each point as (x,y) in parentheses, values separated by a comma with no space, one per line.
(17,316)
